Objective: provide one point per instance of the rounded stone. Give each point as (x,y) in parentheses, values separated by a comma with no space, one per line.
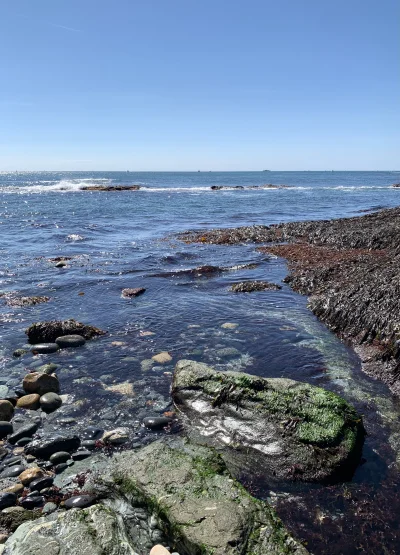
(5,429)
(30,474)
(162,358)
(29,402)
(49,508)
(41,383)
(23,441)
(6,410)
(49,368)
(49,402)
(156,422)
(80,455)
(80,501)
(13,471)
(16,488)
(66,341)
(26,431)
(7,499)
(41,483)
(32,501)
(44,348)
(116,437)
(60,468)
(60,457)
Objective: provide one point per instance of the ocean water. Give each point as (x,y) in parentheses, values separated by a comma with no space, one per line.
(128,239)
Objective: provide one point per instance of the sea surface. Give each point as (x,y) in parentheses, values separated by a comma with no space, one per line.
(129,239)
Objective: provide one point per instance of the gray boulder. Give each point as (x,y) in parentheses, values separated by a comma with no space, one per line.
(170,492)
(278,427)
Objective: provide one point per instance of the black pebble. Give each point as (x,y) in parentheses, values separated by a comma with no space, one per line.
(80,455)
(12,472)
(156,422)
(30,502)
(80,501)
(41,483)
(7,500)
(5,429)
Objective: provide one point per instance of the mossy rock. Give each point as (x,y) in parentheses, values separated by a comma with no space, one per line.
(200,509)
(291,430)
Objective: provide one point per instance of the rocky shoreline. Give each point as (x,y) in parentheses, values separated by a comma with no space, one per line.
(93,491)
(349,270)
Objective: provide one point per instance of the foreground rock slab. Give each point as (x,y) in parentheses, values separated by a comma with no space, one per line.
(280,427)
(172,493)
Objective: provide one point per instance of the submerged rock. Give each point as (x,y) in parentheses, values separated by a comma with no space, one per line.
(49,331)
(43,448)
(73,340)
(24,301)
(287,429)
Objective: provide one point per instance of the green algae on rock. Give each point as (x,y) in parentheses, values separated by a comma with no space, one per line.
(290,430)
(200,509)
(171,492)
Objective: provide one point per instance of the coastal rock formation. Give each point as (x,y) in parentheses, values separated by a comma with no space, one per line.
(50,331)
(349,269)
(250,286)
(111,188)
(170,493)
(205,271)
(290,430)
(129,293)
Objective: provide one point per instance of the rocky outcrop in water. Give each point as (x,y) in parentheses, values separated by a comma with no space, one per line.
(172,493)
(111,188)
(15,301)
(250,286)
(50,331)
(349,269)
(290,430)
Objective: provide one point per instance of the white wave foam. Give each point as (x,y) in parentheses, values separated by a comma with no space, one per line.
(76,185)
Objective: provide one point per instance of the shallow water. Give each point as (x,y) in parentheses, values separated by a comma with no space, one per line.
(127,239)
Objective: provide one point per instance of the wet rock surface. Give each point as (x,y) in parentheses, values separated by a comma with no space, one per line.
(111,188)
(250,286)
(293,430)
(130,293)
(50,331)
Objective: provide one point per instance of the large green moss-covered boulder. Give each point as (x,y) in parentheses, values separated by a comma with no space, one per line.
(195,502)
(279,427)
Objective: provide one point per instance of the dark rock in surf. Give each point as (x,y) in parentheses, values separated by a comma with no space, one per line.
(43,448)
(129,293)
(111,188)
(49,402)
(45,348)
(49,331)
(73,340)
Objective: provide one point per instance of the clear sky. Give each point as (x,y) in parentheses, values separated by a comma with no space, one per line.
(199,84)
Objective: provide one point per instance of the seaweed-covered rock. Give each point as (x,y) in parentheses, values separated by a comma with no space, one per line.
(284,428)
(50,331)
(250,286)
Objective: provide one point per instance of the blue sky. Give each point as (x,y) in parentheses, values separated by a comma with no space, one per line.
(210,84)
